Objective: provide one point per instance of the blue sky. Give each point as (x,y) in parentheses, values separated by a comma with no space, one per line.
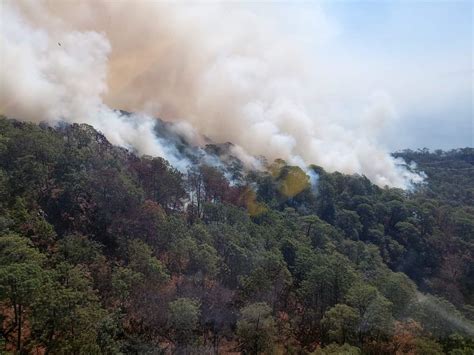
(420,53)
(433,38)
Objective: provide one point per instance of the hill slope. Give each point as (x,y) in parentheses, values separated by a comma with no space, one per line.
(103,251)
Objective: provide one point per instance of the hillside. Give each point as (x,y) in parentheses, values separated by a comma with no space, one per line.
(106,252)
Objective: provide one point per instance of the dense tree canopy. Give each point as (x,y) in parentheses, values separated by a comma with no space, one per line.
(106,252)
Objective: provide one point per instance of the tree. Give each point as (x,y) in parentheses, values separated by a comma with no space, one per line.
(440,317)
(326,283)
(408,339)
(78,249)
(337,349)
(219,315)
(183,321)
(29,154)
(366,216)
(377,321)
(326,206)
(195,187)
(124,280)
(162,183)
(30,222)
(407,234)
(348,222)
(216,186)
(67,315)
(256,328)
(397,213)
(425,346)
(104,251)
(268,281)
(374,311)
(21,276)
(341,323)
(309,221)
(4,185)
(114,192)
(457,344)
(399,290)
(360,296)
(141,260)
(204,261)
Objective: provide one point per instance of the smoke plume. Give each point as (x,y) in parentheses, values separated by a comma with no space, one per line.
(216,70)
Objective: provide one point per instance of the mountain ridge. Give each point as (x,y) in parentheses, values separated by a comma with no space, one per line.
(139,257)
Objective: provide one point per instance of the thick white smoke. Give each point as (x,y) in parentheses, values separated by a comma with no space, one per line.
(222,69)
(53,75)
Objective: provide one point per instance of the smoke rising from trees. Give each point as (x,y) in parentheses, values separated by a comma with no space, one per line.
(221,71)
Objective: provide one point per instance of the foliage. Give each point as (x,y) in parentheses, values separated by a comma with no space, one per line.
(184,320)
(256,329)
(103,251)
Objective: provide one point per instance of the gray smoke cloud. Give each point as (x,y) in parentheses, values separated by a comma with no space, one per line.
(220,71)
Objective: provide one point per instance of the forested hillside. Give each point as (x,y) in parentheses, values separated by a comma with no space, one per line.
(106,252)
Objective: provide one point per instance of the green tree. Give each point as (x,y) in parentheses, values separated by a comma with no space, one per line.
(161,182)
(337,349)
(67,315)
(374,311)
(183,321)
(79,250)
(425,346)
(341,323)
(326,283)
(348,222)
(204,261)
(32,224)
(124,280)
(21,275)
(326,206)
(141,260)
(407,234)
(269,279)
(440,317)
(256,329)
(399,290)
(366,216)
